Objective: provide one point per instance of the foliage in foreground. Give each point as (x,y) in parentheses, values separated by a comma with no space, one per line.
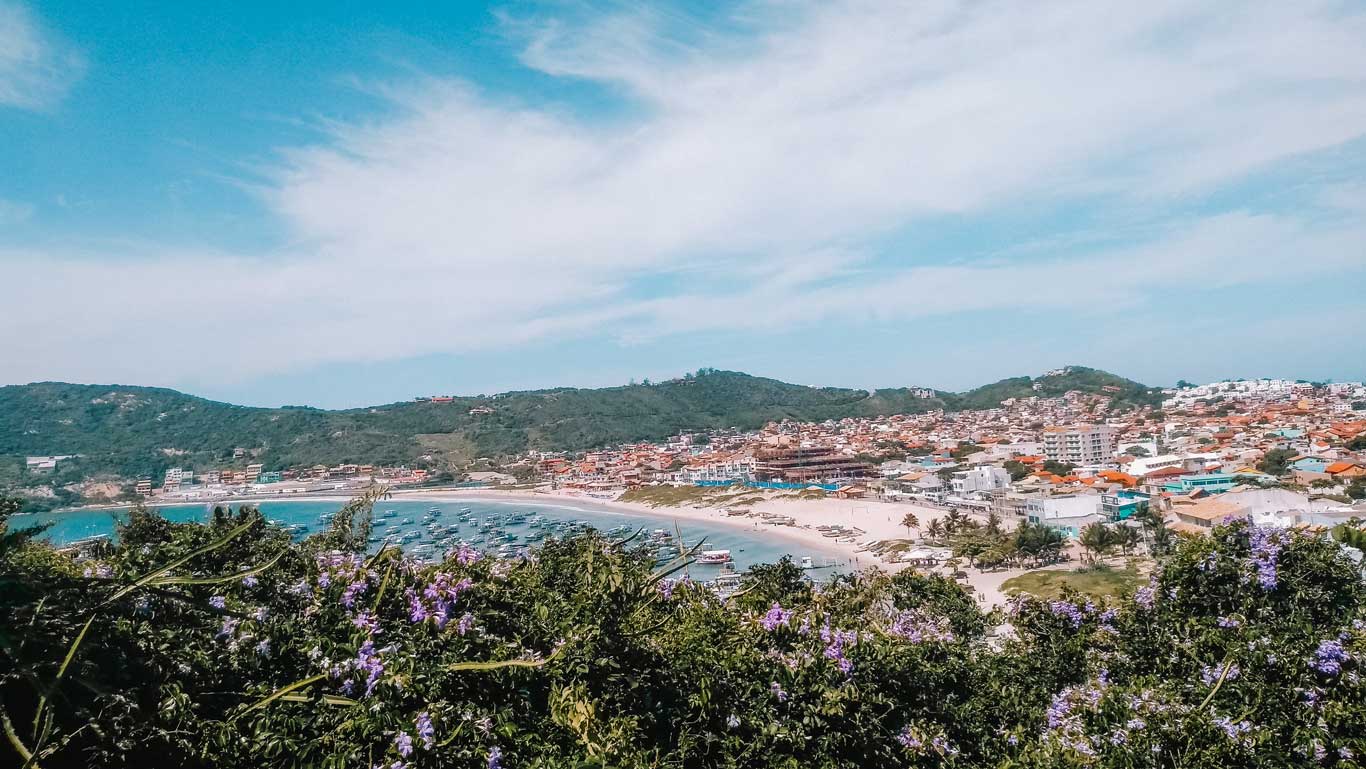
(224,644)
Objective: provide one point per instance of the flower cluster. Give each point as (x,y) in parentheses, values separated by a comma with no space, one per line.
(776,616)
(1067,610)
(836,642)
(914,741)
(1328,658)
(367,663)
(1211,673)
(1065,716)
(919,627)
(1266,548)
(437,600)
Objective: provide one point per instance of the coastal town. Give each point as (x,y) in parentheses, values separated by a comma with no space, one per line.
(1281,453)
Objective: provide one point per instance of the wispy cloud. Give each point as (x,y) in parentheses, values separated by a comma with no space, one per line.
(752,184)
(37,67)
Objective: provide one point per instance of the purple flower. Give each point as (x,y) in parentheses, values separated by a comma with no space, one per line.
(425,730)
(367,622)
(250,581)
(1145,597)
(777,691)
(1328,658)
(263,648)
(666,589)
(836,641)
(918,627)
(352,592)
(403,743)
(218,602)
(495,758)
(1232,730)
(776,616)
(1229,622)
(733,721)
(228,628)
(466,622)
(368,661)
(1060,711)
(1210,673)
(909,740)
(261,614)
(1266,546)
(943,747)
(1067,610)
(465,556)
(417,610)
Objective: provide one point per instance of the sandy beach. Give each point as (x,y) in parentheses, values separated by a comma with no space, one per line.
(879,520)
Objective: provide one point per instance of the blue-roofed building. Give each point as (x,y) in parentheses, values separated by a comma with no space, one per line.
(1309,464)
(1212,483)
(1122,504)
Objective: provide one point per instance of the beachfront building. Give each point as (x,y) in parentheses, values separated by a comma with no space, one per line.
(1123,503)
(1210,483)
(1079,444)
(1067,514)
(808,465)
(174,477)
(980,480)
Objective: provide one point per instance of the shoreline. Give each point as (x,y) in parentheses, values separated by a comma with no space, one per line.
(803,533)
(878,519)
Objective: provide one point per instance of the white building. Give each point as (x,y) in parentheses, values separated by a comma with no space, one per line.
(1068,514)
(1079,444)
(980,479)
(173,479)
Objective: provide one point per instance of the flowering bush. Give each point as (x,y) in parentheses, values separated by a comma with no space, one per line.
(226,645)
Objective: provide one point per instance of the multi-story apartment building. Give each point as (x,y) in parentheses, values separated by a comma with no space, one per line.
(1079,444)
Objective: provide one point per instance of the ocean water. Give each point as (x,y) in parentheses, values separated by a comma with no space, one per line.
(749,542)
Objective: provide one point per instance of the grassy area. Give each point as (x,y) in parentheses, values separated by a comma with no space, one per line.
(1100,581)
(679,496)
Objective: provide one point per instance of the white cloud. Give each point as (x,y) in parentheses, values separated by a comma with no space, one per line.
(748,186)
(36,67)
(12,212)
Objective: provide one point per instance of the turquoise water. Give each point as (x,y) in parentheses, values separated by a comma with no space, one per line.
(748,542)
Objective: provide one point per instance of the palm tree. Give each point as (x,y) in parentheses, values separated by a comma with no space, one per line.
(1097,539)
(954,521)
(910,522)
(935,530)
(994,523)
(1129,537)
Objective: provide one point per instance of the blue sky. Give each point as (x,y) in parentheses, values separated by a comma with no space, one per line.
(341,203)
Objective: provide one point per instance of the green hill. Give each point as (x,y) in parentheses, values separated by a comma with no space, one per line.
(1124,392)
(133,431)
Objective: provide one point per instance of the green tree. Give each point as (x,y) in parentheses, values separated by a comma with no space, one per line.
(1357,489)
(1276,461)
(910,521)
(1058,468)
(1018,470)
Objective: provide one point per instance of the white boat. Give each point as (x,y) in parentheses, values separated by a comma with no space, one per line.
(714,556)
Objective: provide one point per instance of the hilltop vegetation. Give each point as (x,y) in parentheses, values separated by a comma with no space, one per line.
(227,645)
(133,431)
